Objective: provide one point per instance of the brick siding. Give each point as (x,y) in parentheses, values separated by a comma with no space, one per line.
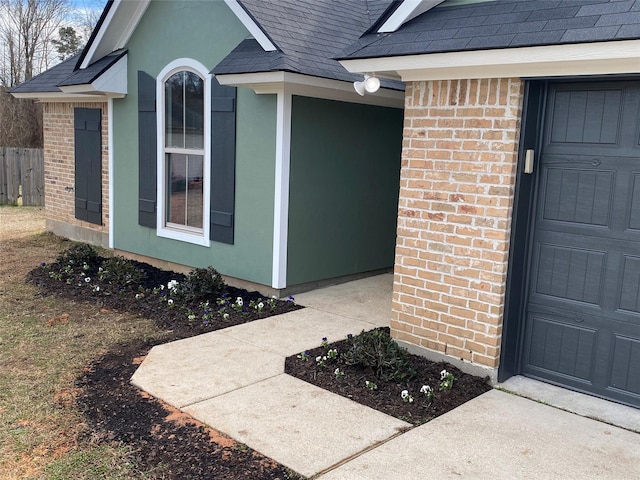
(59,164)
(456,196)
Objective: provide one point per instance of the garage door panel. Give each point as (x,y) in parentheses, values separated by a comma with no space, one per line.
(570,273)
(625,366)
(578,196)
(630,285)
(586,116)
(561,347)
(634,211)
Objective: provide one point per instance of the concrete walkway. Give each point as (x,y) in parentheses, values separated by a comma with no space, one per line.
(233,380)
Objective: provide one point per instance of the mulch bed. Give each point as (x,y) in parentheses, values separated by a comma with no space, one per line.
(387,397)
(175,446)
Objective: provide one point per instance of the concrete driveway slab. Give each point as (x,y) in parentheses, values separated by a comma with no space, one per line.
(297,331)
(367,300)
(297,424)
(194,369)
(502,436)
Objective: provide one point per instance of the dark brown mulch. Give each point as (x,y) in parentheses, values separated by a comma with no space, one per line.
(140,299)
(387,397)
(173,446)
(165,442)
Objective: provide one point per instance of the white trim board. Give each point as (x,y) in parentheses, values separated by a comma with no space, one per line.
(118,26)
(308,86)
(110,170)
(407,10)
(281,193)
(600,58)
(248,22)
(111,81)
(59,97)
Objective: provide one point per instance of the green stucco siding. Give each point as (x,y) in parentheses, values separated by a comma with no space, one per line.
(343,198)
(205,31)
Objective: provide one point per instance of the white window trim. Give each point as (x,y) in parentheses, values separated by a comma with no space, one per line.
(183,235)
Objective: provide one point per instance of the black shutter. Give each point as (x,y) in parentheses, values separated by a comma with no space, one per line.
(147,150)
(88,164)
(223,161)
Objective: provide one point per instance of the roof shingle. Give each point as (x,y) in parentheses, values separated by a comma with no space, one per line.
(505,24)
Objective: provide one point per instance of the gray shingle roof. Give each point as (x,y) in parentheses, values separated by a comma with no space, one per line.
(48,81)
(505,24)
(307,33)
(64,74)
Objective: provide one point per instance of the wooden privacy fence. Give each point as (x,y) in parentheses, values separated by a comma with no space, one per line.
(21,175)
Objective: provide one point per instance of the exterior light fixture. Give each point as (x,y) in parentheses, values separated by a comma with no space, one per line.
(370,84)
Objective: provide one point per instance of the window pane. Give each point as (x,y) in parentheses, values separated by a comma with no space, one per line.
(184,190)
(174,110)
(194,110)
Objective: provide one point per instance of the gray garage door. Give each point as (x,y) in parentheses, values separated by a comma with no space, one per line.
(583,312)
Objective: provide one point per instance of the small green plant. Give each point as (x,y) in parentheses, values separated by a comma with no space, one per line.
(120,272)
(428,392)
(370,385)
(446,380)
(201,284)
(80,256)
(377,350)
(406,396)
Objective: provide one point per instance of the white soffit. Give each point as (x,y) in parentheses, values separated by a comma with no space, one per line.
(407,10)
(117,28)
(111,82)
(58,97)
(307,86)
(251,25)
(618,57)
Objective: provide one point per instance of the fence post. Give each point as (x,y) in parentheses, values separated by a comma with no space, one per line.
(3,177)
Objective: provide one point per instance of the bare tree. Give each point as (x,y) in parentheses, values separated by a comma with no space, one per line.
(86,17)
(26,30)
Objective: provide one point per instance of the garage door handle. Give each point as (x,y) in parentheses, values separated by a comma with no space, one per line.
(579,319)
(529,158)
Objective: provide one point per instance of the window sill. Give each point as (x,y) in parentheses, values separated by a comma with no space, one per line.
(183,236)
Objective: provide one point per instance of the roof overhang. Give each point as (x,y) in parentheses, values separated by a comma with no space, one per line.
(406,11)
(599,58)
(116,29)
(250,24)
(112,82)
(307,86)
(57,97)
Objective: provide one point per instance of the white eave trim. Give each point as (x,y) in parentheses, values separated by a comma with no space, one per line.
(113,81)
(111,37)
(602,58)
(53,97)
(407,10)
(307,86)
(248,22)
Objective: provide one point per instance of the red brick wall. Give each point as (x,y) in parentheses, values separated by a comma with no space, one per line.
(456,195)
(59,164)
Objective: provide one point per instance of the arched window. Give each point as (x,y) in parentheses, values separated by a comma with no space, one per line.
(184,153)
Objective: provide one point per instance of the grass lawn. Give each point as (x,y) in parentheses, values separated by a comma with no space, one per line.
(45,343)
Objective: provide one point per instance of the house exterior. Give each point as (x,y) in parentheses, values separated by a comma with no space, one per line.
(518,243)
(513,212)
(204,133)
